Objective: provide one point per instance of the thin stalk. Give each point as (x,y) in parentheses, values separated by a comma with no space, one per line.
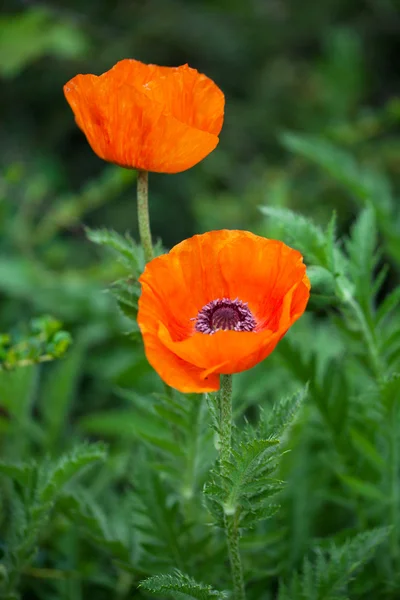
(225,407)
(143,214)
(144,224)
(230,517)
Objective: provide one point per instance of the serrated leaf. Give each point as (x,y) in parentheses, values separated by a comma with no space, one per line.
(159,521)
(69,465)
(181,584)
(302,232)
(284,412)
(345,561)
(251,518)
(361,250)
(126,248)
(330,245)
(327,577)
(127,292)
(244,485)
(249,461)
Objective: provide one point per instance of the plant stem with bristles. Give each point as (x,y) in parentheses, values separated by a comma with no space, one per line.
(143,214)
(230,517)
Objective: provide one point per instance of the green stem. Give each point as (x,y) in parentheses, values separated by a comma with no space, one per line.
(232,537)
(230,517)
(144,224)
(143,214)
(225,407)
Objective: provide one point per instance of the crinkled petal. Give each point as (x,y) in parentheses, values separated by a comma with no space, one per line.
(162,119)
(177,373)
(266,274)
(231,351)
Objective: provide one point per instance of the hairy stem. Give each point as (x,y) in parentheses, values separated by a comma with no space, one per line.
(225,407)
(230,517)
(143,214)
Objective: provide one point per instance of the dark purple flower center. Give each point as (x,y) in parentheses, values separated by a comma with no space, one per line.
(224,314)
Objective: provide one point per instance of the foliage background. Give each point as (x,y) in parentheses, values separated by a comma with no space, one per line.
(311,115)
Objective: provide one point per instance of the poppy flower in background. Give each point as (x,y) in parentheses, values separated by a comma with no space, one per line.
(163,119)
(218,303)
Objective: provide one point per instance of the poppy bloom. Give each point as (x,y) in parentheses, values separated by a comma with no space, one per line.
(218,303)
(163,119)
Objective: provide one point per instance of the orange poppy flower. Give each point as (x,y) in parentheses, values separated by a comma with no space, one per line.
(163,119)
(218,303)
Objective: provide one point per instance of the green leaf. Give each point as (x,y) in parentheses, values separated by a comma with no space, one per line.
(84,512)
(364,488)
(335,161)
(58,395)
(125,247)
(330,244)
(284,412)
(127,292)
(388,305)
(363,184)
(346,560)
(247,485)
(361,250)
(157,516)
(181,584)
(301,232)
(16,392)
(390,391)
(328,576)
(249,462)
(124,423)
(367,449)
(22,473)
(54,478)
(35,500)
(363,237)
(322,281)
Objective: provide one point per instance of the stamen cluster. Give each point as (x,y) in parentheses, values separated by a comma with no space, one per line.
(224,314)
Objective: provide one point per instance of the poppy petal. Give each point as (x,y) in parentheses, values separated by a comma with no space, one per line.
(230,351)
(261,273)
(233,266)
(177,373)
(225,351)
(152,118)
